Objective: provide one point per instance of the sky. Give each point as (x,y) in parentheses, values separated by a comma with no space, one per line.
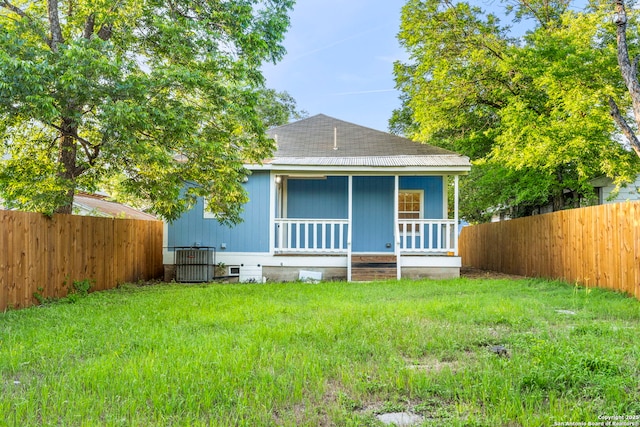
(339,60)
(340,56)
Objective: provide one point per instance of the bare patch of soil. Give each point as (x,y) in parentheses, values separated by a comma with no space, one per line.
(475,273)
(433,365)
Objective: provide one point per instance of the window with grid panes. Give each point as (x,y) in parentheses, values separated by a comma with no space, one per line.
(410,206)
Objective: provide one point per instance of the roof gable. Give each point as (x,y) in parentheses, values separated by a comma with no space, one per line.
(324,136)
(324,140)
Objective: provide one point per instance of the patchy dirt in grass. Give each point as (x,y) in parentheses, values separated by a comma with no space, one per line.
(475,273)
(433,365)
(400,419)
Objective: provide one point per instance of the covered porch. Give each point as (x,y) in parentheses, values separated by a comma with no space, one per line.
(390,221)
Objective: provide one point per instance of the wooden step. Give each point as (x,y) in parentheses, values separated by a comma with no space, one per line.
(367,259)
(366,274)
(366,268)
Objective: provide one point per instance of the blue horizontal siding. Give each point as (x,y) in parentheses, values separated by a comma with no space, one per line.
(251,235)
(373,207)
(433,204)
(318,198)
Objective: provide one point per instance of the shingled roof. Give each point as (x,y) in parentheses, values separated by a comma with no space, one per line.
(97,205)
(321,140)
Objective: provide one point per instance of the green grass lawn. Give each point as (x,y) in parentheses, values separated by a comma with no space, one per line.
(323,354)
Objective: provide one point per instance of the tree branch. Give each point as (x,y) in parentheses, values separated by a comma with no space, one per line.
(543,22)
(105,31)
(14,9)
(620,19)
(89,26)
(481,41)
(624,126)
(489,103)
(54,23)
(64,132)
(91,151)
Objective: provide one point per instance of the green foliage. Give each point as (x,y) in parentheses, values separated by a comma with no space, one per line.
(125,91)
(82,287)
(278,108)
(40,298)
(78,289)
(531,112)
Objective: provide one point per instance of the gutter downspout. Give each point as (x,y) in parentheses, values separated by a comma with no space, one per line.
(455,215)
(396,226)
(349,226)
(273,195)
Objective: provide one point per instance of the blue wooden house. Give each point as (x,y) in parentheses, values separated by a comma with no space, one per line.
(340,201)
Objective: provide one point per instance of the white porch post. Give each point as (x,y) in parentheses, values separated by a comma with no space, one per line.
(273,195)
(455,214)
(445,196)
(396,226)
(349,226)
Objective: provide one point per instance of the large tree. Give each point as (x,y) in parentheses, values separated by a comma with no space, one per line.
(629,72)
(532,111)
(160,92)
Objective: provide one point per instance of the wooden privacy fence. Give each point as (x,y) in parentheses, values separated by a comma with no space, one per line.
(594,246)
(46,255)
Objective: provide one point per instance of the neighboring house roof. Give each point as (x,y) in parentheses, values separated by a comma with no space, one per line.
(98,205)
(324,141)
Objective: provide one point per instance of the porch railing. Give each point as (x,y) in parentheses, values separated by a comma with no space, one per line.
(311,235)
(427,235)
(330,235)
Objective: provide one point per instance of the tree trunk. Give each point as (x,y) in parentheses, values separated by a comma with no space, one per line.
(54,25)
(558,202)
(67,161)
(629,73)
(68,208)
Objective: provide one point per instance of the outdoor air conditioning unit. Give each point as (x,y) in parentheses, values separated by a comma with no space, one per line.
(194,265)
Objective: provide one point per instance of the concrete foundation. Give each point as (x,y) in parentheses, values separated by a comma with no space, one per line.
(291,274)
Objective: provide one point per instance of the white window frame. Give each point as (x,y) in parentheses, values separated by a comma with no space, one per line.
(421,193)
(206,214)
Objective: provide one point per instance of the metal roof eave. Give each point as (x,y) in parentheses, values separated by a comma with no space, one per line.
(345,170)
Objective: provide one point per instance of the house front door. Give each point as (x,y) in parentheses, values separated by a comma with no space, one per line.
(373,206)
